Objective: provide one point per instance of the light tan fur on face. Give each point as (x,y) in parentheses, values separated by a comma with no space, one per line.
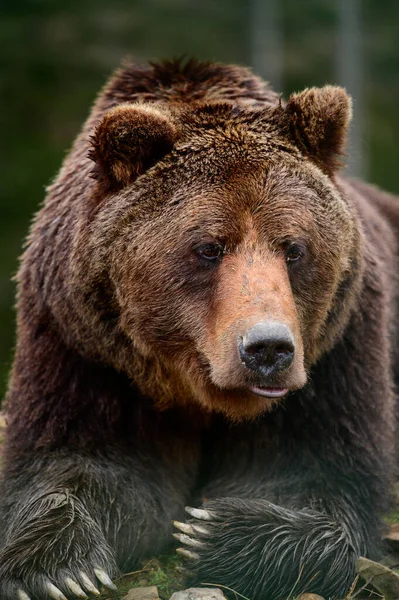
(253,287)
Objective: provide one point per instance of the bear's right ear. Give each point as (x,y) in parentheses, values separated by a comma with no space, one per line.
(318,120)
(130,139)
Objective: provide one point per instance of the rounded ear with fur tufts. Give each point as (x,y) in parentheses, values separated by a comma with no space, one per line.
(318,120)
(130,139)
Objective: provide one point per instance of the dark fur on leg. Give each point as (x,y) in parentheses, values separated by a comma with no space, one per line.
(264,551)
(90,480)
(67,515)
(52,538)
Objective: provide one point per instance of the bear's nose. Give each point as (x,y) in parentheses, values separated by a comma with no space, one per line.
(267,347)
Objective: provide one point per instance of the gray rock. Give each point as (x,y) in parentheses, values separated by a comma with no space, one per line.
(142,593)
(199,594)
(383,579)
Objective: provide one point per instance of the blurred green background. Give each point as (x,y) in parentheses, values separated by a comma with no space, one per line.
(56,54)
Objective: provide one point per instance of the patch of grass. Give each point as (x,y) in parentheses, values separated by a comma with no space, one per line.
(161,572)
(167,578)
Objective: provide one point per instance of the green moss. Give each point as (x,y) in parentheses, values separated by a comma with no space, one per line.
(392,517)
(167,578)
(161,572)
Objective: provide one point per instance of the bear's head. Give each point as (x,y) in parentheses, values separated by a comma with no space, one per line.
(227,252)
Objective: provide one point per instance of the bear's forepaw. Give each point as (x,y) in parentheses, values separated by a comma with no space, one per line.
(54,551)
(264,551)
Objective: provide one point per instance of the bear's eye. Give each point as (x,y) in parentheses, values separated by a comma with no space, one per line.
(293,253)
(210,253)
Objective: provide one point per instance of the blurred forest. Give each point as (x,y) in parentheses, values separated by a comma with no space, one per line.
(56,55)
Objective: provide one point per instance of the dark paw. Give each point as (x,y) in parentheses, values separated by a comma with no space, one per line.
(263,551)
(54,550)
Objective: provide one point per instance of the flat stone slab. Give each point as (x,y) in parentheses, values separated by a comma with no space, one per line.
(199,594)
(384,580)
(142,593)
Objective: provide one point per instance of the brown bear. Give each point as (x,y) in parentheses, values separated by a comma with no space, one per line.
(205,315)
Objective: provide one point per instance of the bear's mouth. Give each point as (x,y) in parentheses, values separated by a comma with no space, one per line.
(269,392)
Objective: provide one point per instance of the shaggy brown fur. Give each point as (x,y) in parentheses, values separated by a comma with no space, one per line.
(193,209)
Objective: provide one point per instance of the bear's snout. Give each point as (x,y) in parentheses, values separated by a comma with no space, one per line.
(266,348)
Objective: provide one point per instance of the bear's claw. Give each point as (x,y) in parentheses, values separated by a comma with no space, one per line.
(190,528)
(23,595)
(199,513)
(55,592)
(105,580)
(187,553)
(90,587)
(75,588)
(184,527)
(185,539)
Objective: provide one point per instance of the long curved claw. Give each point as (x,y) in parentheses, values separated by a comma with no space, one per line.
(185,539)
(187,553)
(199,513)
(89,585)
(75,588)
(184,527)
(190,528)
(105,580)
(23,595)
(55,592)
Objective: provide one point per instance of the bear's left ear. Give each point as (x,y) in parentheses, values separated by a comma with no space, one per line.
(130,139)
(318,120)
